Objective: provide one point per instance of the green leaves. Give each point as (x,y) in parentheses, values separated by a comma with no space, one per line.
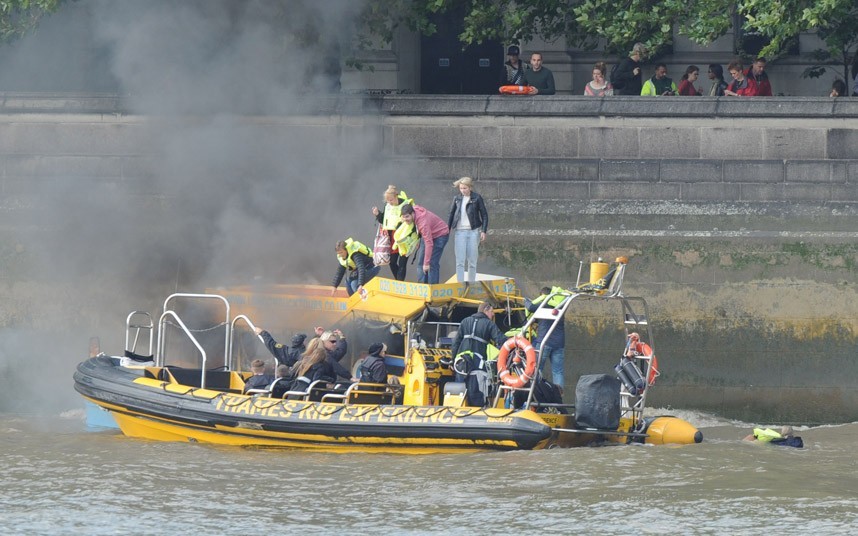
(17,17)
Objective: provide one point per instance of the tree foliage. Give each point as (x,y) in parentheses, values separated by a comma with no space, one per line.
(17,17)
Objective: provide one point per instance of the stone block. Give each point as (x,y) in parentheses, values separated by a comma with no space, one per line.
(526,190)
(787,143)
(715,192)
(415,140)
(774,107)
(819,193)
(844,193)
(762,192)
(819,171)
(659,106)
(634,190)
(754,171)
(474,141)
(529,142)
(629,170)
(435,168)
(691,171)
(670,142)
(731,143)
(542,105)
(75,138)
(434,105)
(63,166)
(508,168)
(572,170)
(846,107)
(842,143)
(852,172)
(605,142)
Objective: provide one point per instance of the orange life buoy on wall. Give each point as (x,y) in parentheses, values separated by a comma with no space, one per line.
(529,368)
(517,90)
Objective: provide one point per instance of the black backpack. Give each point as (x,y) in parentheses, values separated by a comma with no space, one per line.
(544,392)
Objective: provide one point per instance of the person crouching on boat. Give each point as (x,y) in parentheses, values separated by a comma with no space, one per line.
(435,233)
(786,437)
(373,369)
(259,380)
(284,355)
(357,258)
(470,350)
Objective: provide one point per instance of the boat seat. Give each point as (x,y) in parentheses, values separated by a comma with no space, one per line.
(371,393)
(454,394)
(304,395)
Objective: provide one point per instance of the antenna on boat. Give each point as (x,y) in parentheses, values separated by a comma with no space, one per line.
(508,309)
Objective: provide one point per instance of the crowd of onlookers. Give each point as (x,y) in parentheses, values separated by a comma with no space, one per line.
(627,78)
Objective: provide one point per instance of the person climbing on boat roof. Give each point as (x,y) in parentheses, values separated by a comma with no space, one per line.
(259,380)
(373,369)
(469,351)
(786,437)
(357,259)
(283,354)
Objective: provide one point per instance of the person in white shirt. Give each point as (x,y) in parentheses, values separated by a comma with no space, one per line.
(470,220)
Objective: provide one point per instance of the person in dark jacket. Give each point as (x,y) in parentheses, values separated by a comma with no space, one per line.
(553,348)
(259,380)
(540,77)
(514,69)
(716,74)
(373,369)
(469,352)
(281,381)
(627,78)
(284,355)
(336,347)
(469,218)
(312,366)
(357,259)
(757,73)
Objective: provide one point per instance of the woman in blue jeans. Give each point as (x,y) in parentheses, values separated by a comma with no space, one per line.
(469,218)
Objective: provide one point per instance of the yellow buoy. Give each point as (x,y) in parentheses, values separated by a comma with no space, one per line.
(598,271)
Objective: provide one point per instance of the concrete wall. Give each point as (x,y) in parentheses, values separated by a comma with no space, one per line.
(739,216)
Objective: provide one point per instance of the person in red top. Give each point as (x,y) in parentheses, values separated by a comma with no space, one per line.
(686,85)
(758,74)
(434,233)
(742,86)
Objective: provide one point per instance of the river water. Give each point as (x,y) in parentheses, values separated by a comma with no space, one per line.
(59,478)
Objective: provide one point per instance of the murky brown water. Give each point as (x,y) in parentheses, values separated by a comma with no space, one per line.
(58,478)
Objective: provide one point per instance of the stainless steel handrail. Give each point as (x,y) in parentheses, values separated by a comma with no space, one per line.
(159,358)
(226,341)
(128,326)
(230,364)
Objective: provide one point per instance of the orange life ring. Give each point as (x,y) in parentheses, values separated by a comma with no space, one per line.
(517,90)
(642,348)
(529,368)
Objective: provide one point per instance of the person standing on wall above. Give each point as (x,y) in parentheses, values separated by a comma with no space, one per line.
(686,85)
(716,74)
(540,77)
(514,69)
(470,348)
(599,86)
(357,258)
(389,220)
(626,77)
(434,233)
(660,84)
(757,73)
(470,219)
(741,86)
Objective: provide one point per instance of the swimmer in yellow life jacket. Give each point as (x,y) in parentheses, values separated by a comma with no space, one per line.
(786,437)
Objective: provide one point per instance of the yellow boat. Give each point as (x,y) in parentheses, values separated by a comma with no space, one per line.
(195,393)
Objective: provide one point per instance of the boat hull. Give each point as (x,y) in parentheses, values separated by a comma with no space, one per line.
(149,408)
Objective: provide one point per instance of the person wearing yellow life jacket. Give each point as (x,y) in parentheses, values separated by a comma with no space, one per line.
(390,219)
(357,259)
(406,240)
(553,348)
(786,437)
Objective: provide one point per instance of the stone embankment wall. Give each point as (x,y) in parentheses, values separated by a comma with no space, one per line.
(740,217)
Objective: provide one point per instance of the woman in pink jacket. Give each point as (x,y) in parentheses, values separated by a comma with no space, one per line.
(434,233)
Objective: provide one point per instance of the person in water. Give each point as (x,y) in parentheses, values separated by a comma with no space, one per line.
(786,437)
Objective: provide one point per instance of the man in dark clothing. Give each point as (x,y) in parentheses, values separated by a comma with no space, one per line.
(469,352)
(514,69)
(373,369)
(283,354)
(627,78)
(540,77)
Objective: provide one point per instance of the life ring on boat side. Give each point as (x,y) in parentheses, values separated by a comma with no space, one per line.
(529,368)
(517,90)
